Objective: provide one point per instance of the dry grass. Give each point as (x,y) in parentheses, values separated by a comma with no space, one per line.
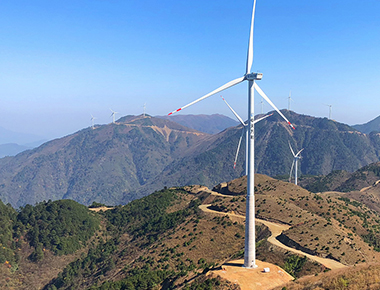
(359,277)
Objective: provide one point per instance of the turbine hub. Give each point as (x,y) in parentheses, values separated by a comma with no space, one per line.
(254,76)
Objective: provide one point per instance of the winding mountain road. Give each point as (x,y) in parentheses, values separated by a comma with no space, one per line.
(276,230)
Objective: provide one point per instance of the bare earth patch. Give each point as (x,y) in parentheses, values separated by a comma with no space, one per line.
(253,279)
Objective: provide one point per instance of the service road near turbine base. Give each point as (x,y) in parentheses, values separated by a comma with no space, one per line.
(276,230)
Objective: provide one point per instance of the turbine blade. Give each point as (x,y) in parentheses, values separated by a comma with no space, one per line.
(250,42)
(222,88)
(290,174)
(238,148)
(291,149)
(299,152)
(259,90)
(262,118)
(233,111)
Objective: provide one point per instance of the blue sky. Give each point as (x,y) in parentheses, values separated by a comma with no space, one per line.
(62,61)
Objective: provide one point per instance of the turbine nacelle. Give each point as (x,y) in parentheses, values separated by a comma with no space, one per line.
(253,76)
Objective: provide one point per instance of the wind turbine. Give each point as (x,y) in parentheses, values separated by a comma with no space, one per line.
(113,115)
(289,100)
(330,107)
(296,157)
(144,108)
(92,121)
(245,126)
(250,247)
(262,106)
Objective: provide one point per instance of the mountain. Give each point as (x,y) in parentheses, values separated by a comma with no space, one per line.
(328,145)
(371,126)
(210,124)
(184,238)
(106,164)
(117,163)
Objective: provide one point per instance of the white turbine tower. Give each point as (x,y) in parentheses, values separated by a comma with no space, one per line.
(113,115)
(245,126)
(296,157)
(250,247)
(289,100)
(330,107)
(92,121)
(144,108)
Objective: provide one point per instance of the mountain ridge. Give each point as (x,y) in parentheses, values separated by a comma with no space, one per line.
(136,155)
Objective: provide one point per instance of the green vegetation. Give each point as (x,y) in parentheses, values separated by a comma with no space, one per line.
(294,264)
(138,279)
(145,220)
(208,284)
(7,244)
(61,226)
(148,216)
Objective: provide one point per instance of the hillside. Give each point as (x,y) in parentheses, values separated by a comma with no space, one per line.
(339,180)
(37,242)
(329,225)
(117,163)
(178,238)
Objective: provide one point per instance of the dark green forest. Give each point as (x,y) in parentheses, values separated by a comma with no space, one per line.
(61,226)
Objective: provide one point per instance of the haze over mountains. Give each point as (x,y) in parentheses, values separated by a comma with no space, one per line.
(117,163)
(12,143)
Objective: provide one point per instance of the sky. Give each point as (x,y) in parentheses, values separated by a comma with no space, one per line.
(63,61)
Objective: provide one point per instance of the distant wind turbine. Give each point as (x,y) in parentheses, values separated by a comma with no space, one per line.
(296,157)
(245,126)
(250,243)
(262,106)
(113,115)
(144,108)
(289,100)
(330,108)
(92,121)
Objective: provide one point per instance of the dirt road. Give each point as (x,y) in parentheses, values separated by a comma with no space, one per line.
(276,230)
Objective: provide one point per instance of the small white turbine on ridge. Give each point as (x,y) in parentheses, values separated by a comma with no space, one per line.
(296,157)
(289,100)
(113,115)
(330,108)
(245,126)
(92,122)
(250,243)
